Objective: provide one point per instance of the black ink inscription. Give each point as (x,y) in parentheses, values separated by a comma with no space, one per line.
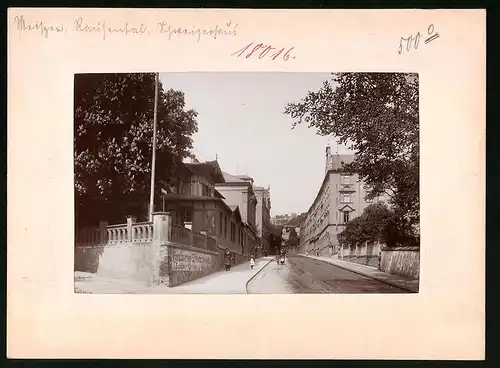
(226,30)
(430,32)
(412,42)
(100,27)
(44,29)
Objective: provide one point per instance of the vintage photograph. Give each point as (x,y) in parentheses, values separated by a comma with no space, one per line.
(246,183)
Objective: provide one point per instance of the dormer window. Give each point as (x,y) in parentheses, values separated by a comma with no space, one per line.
(345,179)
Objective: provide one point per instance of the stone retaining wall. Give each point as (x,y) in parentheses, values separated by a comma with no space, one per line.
(159,257)
(181,263)
(404,261)
(364,260)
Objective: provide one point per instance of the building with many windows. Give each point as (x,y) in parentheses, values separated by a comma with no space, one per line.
(263,217)
(194,202)
(340,198)
(238,191)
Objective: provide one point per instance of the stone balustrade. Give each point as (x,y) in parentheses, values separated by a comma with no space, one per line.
(181,235)
(142,232)
(89,238)
(117,234)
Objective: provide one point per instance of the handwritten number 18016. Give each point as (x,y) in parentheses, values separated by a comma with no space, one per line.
(264,50)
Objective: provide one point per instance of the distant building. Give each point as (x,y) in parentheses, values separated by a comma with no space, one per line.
(340,198)
(263,217)
(281,220)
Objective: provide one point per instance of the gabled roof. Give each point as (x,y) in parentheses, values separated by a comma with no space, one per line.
(218,195)
(236,211)
(228,178)
(346,208)
(210,170)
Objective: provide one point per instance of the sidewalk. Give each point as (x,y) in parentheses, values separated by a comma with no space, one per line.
(222,282)
(395,280)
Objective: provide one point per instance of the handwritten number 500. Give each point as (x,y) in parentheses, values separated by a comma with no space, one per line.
(409,42)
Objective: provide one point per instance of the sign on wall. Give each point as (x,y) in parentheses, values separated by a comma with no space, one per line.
(185,260)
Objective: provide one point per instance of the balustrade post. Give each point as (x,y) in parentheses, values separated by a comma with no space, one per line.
(162,227)
(130,234)
(102,232)
(205,235)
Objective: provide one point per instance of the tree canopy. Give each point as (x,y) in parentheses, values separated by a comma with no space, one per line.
(377,116)
(377,222)
(293,239)
(113,130)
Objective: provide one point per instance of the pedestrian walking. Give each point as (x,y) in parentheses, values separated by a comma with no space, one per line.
(227,259)
(252,263)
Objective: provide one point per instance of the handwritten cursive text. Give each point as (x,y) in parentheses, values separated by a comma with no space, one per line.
(263,50)
(100,27)
(169,30)
(43,28)
(413,41)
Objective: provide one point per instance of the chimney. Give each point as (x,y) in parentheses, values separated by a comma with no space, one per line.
(328,158)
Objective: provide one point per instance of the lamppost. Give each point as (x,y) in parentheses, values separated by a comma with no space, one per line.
(153,160)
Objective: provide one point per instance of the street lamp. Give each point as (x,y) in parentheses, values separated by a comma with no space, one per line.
(153,160)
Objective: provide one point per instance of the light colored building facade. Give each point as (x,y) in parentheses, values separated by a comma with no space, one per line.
(282,220)
(238,191)
(340,198)
(263,217)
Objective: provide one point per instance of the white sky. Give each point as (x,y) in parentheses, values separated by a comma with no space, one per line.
(240,118)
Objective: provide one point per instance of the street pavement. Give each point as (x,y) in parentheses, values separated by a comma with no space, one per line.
(403,282)
(223,282)
(305,275)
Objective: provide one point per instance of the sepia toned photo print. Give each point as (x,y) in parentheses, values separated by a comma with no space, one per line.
(246,183)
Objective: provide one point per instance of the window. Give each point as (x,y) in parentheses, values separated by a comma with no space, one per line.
(345,179)
(186,215)
(206,190)
(346,217)
(220,223)
(233,232)
(225,226)
(346,198)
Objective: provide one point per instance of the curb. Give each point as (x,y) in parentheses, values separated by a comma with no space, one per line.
(256,273)
(365,275)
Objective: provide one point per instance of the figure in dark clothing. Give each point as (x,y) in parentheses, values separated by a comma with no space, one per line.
(227,259)
(282,256)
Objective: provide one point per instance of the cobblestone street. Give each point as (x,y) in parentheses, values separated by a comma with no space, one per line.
(307,275)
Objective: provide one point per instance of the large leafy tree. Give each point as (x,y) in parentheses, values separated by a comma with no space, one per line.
(293,239)
(113,143)
(377,116)
(377,222)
